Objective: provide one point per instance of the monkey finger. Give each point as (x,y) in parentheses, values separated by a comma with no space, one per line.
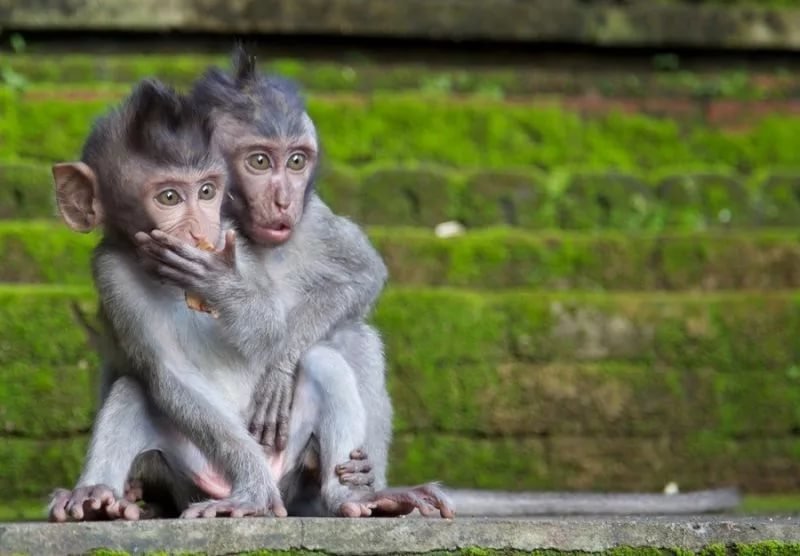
(75,509)
(271,421)
(184,250)
(356,479)
(358,453)
(130,512)
(229,250)
(60,498)
(353,466)
(174,260)
(278,509)
(142,238)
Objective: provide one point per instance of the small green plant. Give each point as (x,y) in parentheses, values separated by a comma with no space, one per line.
(8,76)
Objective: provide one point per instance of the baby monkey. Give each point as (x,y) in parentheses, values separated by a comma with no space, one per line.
(177,384)
(173,380)
(321,278)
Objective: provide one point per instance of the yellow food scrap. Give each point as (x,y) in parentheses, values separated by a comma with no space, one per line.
(192,301)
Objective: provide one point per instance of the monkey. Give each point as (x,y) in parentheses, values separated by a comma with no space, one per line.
(169,161)
(183,384)
(245,123)
(272,149)
(326,276)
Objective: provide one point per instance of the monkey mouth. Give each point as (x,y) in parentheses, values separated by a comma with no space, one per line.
(276,232)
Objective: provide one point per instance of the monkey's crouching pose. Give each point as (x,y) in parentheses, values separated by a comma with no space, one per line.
(319,279)
(175,381)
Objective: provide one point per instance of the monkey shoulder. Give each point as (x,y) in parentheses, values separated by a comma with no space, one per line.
(343,242)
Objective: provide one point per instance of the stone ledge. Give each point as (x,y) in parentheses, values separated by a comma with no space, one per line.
(383,536)
(570,21)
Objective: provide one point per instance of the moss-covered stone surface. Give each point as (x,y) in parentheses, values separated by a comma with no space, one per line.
(469,133)
(567,390)
(714,24)
(491,259)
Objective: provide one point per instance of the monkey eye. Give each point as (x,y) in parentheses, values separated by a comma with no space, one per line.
(207,191)
(258,161)
(297,161)
(168,197)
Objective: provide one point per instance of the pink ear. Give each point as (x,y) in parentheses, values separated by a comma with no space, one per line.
(76,196)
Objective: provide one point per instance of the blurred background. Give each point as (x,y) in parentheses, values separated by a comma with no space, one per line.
(589,210)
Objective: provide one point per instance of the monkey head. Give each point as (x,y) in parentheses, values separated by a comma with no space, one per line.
(269,143)
(148,164)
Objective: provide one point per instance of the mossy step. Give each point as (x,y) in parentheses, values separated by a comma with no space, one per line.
(34,509)
(52,74)
(691,199)
(578,390)
(498,258)
(33,468)
(474,133)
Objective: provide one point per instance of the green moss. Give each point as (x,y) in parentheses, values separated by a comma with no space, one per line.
(493,258)
(771,504)
(510,198)
(33,468)
(92,71)
(474,133)
(397,196)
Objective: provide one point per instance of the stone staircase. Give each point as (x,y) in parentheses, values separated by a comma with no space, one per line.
(622,311)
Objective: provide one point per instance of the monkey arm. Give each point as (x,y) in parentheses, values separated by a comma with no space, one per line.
(176,387)
(344,284)
(252,319)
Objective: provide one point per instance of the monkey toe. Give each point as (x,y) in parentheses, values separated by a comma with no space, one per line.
(354,509)
(228,507)
(358,454)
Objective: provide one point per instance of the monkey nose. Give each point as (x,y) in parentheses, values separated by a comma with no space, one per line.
(281,204)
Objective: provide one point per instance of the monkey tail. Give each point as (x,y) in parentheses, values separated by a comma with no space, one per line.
(470,502)
(92,334)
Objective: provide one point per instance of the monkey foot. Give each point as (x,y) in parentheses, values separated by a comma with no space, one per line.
(134,490)
(394,502)
(232,507)
(91,503)
(357,471)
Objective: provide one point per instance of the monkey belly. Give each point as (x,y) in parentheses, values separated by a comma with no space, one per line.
(187,459)
(212,483)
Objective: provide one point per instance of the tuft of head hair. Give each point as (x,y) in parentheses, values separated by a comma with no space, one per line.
(272,104)
(244,66)
(155,123)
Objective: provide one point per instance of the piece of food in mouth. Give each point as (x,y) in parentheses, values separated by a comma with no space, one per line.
(192,301)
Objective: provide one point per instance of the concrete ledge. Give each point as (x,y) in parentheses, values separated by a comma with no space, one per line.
(571,21)
(382,536)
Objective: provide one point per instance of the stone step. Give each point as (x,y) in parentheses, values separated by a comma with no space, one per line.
(661,86)
(651,24)
(45,251)
(473,132)
(604,391)
(571,198)
(634,536)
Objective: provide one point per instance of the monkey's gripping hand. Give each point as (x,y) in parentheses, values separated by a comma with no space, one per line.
(91,503)
(251,319)
(188,267)
(272,401)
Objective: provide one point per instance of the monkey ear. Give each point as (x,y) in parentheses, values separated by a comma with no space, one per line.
(76,196)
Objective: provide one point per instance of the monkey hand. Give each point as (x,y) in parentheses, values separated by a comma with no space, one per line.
(187,266)
(357,471)
(90,503)
(272,401)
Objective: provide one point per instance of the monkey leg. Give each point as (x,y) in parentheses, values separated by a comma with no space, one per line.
(330,407)
(122,430)
(361,347)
